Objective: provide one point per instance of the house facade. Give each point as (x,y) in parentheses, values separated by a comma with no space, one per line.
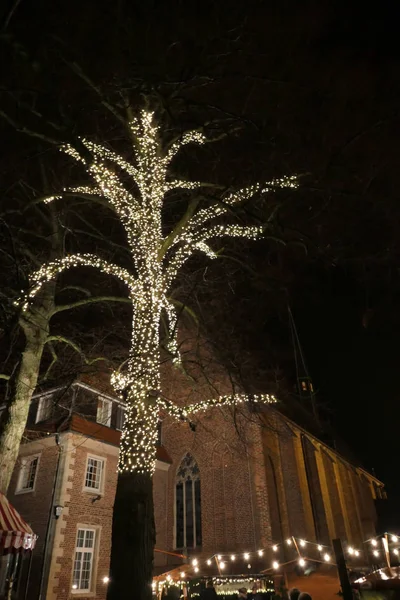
(233,483)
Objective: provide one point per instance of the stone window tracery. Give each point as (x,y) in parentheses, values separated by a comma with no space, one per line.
(188,504)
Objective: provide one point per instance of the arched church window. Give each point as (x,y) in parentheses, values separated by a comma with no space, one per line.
(188,504)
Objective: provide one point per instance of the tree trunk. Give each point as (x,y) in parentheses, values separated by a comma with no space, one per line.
(35,324)
(133,538)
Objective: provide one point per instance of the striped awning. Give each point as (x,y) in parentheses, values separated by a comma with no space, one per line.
(15,533)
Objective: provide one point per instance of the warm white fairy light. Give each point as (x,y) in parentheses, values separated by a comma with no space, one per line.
(356,553)
(394,538)
(233,557)
(196,569)
(289,541)
(260,552)
(302,562)
(275,564)
(222,564)
(246,556)
(374,542)
(327,558)
(183,574)
(209,562)
(195,562)
(302,543)
(156,261)
(350,550)
(395,551)
(320,548)
(376,553)
(275,548)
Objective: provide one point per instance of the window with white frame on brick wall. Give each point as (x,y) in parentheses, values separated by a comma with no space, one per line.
(104,409)
(94,474)
(84,560)
(27,474)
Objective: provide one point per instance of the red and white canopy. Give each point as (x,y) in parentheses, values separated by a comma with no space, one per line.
(15,533)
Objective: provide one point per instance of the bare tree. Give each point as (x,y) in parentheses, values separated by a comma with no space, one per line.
(24,354)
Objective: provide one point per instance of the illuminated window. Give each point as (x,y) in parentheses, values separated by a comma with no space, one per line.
(45,408)
(94,473)
(83,560)
(104,408)
(188,505)
(27,474)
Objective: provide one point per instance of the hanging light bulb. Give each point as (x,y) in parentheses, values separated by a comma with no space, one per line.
(320,548)
(356,553)
(195,562)
(395,551)
(183,575)
(374,542)
(275,548)
(350,550)
(196,569)
(233,557)
(260,552)
(302,562)
(394,538)
(375,553)
(219,557)
(275,564)
(246,556)
(327,558)
(288,541)
(302,543)
(209,562)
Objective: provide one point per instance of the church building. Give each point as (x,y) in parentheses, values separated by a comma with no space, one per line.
(239,490)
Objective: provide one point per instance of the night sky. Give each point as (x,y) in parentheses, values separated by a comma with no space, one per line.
(315,88)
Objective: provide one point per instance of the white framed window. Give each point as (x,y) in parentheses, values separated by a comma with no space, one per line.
(121,414)
(27,474)
(104,408)
(94,474)
(83,560)
(44,409)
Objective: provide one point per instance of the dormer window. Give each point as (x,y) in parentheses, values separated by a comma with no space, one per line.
(104,408)
(45,408)
(121,414)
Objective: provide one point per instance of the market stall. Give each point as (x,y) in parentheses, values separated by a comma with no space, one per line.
(16,540)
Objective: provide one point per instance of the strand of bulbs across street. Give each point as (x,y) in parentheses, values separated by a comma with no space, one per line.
(301,546)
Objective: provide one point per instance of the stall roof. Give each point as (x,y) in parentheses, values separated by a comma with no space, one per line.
(15,533)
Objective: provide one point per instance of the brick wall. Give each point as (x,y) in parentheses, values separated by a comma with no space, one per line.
(83,509)
(229,499)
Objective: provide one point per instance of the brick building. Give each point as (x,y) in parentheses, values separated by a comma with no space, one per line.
(233,482)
